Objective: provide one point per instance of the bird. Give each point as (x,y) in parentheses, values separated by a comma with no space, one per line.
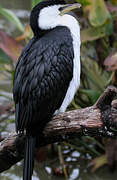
(47,74)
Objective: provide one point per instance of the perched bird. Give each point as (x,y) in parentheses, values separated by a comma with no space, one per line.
(47,74)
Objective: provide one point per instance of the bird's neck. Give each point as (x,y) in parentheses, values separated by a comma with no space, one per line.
(72,24)
(47,24)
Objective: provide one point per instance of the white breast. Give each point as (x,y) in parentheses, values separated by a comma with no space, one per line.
(73,25)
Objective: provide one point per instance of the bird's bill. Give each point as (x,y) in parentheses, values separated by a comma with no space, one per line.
(69,7)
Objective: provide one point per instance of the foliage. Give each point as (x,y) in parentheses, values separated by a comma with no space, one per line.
(98,21)
(12,18)
(35,2)
(98,13)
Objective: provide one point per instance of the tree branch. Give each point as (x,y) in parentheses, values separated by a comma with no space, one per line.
(97,120)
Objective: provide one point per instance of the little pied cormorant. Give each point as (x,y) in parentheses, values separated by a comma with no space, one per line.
(47,74)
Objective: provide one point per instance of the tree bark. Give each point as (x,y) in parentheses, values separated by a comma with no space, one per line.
(97,120)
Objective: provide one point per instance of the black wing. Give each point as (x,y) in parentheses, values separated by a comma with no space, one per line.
(42,77)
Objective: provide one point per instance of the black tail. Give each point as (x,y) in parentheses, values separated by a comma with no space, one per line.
(29,158)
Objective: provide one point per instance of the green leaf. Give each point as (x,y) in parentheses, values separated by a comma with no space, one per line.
(98,162)
(12,18)
(98,13)
(92,94)
(91,34)
(109,27)
(96,77)
(4,58)
(94,33)
(84,2)
(35,2)
(114,2)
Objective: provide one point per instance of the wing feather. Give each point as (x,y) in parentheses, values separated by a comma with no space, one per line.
(42,77)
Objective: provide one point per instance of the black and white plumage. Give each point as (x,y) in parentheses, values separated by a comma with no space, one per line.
(47,74)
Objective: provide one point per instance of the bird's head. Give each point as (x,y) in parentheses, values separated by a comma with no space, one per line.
(48,14)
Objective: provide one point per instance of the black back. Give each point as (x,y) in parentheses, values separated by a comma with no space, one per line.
(42,77)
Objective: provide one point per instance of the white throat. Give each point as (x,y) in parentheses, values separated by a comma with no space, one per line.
(49,18)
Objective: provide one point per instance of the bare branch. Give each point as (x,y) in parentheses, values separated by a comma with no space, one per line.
(96,120)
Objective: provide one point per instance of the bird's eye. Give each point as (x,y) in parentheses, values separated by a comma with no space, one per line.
(61,8)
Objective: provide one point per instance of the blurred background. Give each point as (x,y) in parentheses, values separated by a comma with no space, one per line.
(83,158)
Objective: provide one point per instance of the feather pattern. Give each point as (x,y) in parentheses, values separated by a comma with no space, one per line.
(42,77)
